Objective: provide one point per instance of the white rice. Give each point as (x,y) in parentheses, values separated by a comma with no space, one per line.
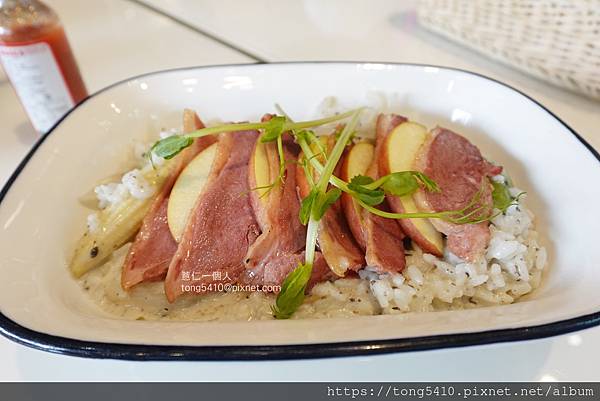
(511,267)
(133,183)
(137,185)
(93,222)
(111,194)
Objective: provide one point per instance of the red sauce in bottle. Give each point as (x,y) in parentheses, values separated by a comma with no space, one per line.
(38,60)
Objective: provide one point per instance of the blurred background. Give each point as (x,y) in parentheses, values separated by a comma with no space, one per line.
(548,49)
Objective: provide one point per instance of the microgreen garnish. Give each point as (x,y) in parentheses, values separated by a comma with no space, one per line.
(273,130)
(403,183)
(323,201)
(306,206)
(470,214)
(282,161)
(501,196)
(292,291)
(309,136)
(312,209)
(372,192)
(294,286)
(360,186)
(425,181)
(400,183)
(169,147)
(148,155)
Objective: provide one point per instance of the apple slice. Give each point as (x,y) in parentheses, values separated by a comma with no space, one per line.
(356,162)
(264,169)
(187,188)
(398,154)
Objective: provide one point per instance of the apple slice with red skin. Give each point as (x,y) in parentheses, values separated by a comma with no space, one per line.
(356,162)
(398,153)
(380,238)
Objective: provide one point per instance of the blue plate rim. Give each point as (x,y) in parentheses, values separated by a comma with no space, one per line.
(89,349)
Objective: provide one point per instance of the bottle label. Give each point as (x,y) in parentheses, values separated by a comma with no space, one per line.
(38,81)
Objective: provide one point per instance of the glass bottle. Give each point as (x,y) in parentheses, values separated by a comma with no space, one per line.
(38,61)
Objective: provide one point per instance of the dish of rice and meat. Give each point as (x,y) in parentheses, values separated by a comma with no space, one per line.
(353,214)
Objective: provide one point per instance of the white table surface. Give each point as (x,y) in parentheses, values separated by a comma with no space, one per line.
(115,39)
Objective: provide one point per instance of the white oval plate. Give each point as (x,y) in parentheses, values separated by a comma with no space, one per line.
(40,219)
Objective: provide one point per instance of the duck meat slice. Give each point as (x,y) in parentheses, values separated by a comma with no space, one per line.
(275,252)
(460,171)
(380,238)
(154,246)
(276,269)
(384,237)
(221,226)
